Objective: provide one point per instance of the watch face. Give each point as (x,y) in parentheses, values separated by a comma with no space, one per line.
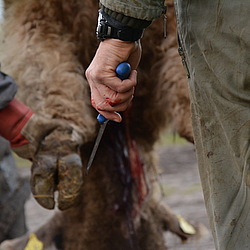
(101,28)
(99,22)
(104,30)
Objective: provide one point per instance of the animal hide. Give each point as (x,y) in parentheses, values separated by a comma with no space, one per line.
(46,48)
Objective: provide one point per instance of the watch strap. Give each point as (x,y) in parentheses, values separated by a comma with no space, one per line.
(106,30)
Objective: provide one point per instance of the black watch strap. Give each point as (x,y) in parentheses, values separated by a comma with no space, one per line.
(105,30)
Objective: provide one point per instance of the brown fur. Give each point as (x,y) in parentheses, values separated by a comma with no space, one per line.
(47,46)
(44,54)
(173,77)
(162,90)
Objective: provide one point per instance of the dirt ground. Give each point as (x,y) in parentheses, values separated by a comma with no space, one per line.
(182,192)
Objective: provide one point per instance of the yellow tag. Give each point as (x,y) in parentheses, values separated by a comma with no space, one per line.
(185,226)
(34,243)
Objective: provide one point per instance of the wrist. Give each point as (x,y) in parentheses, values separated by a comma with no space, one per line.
(113,51)
(118,47)
(109,27)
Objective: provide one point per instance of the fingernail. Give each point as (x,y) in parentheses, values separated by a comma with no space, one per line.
(117,118)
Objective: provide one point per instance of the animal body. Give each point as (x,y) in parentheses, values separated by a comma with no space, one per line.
(47,46)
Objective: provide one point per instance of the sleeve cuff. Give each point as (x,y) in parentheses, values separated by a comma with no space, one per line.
(120,19)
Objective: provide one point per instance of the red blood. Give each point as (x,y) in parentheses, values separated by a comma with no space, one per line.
(92,102)
(100,109)
(115,102)
(136,165)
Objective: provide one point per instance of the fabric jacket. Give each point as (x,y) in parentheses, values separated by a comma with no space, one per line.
(8,89)
(127,10)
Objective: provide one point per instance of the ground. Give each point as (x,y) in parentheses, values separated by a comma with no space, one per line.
(182,192)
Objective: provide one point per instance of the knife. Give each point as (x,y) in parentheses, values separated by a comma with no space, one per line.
(123,72)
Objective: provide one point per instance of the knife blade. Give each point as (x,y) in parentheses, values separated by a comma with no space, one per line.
(123,72)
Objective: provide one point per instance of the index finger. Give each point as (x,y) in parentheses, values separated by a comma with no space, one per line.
(120,86)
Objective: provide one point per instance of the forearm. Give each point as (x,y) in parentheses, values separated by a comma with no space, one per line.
(8,90)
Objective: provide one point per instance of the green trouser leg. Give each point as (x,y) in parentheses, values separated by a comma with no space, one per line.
(215,37)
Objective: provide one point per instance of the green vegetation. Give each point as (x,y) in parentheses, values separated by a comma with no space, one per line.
(21,163)
(168,190)
(170,138)
(192,189)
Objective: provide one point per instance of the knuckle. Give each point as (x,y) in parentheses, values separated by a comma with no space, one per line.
(125,86)
(101,106)
(93,74)
(113,99)
(123,107)
(93,102)
(120,89)
(87,73)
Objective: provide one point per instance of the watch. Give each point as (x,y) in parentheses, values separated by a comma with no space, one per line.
(105,30)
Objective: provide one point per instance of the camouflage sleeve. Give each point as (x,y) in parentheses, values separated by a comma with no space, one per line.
(136,14)
(8,89)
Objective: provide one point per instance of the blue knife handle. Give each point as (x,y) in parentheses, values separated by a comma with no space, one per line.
(123,71)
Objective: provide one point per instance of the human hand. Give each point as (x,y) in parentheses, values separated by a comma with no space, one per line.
(109,94)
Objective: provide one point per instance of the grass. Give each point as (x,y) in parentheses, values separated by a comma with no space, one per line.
(192,189)
(21,163)
(170,138)
(168,190)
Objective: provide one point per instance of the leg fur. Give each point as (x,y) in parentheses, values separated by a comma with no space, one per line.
(48,45)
